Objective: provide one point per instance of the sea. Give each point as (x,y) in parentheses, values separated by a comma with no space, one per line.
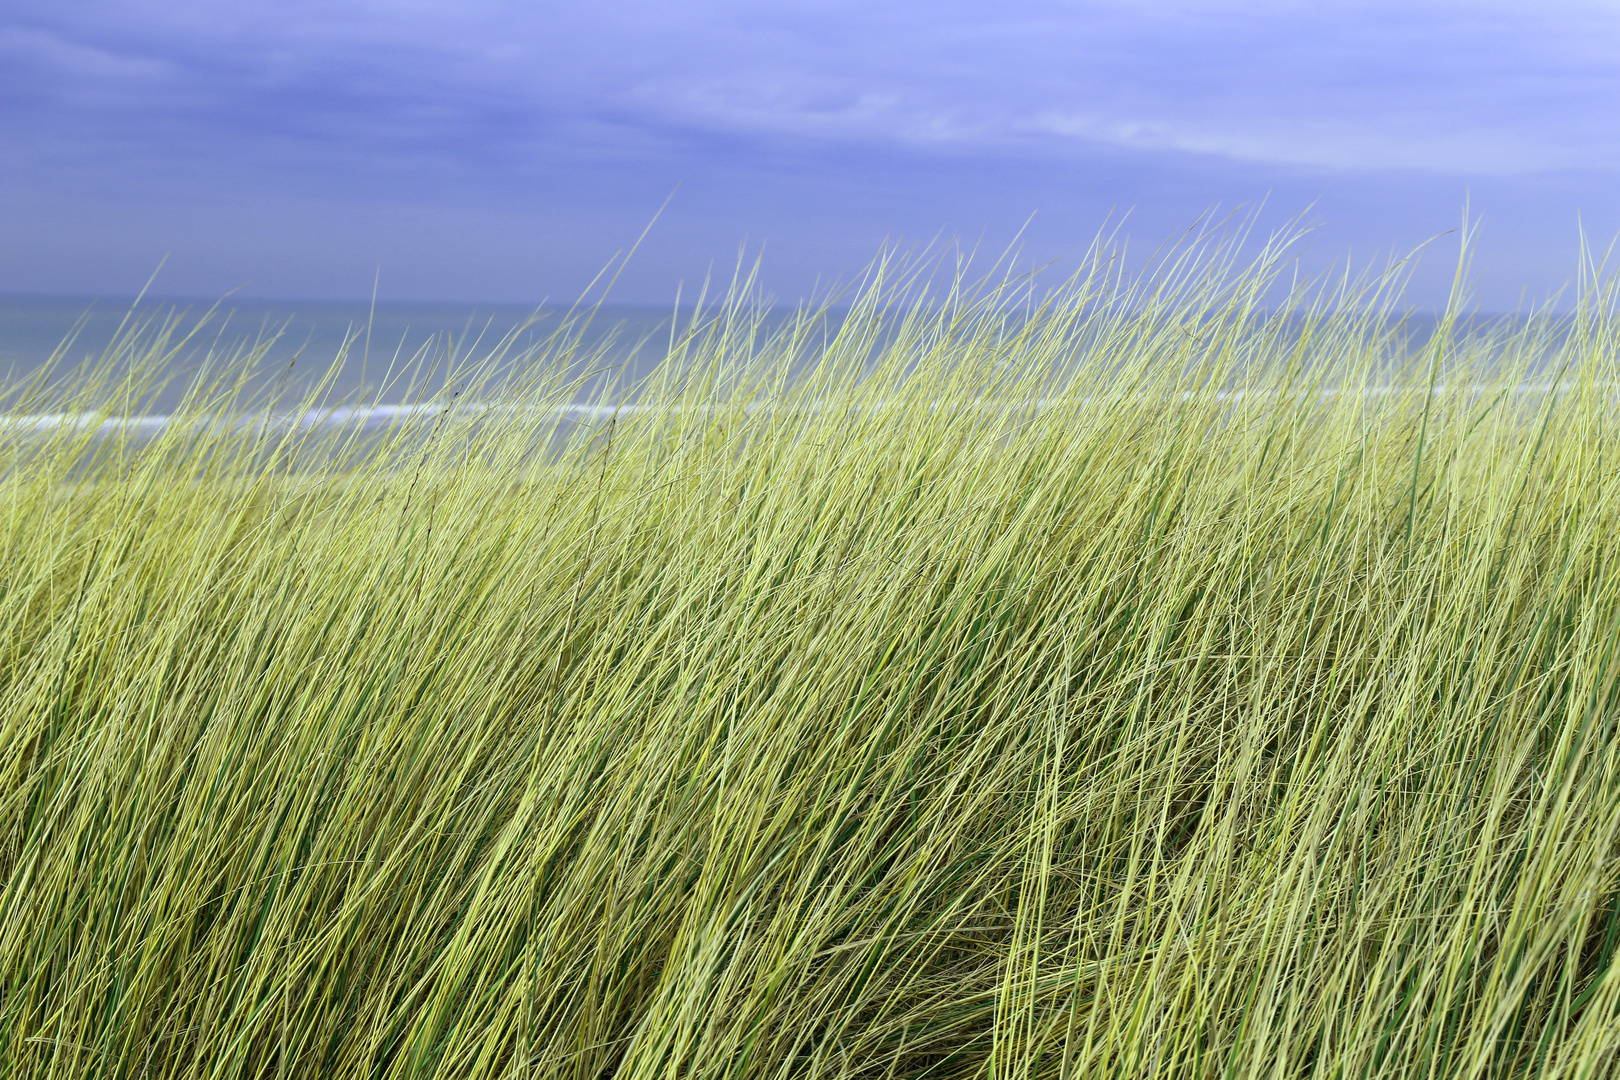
(387,353)
(371,350)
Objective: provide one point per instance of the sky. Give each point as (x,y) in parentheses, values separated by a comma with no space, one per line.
(494,151)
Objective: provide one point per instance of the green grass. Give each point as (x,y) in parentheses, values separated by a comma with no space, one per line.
(866,723)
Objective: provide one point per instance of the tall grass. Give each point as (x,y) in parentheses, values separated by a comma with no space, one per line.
(1130,687)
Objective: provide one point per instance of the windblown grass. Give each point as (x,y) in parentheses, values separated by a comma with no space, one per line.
(1127,688)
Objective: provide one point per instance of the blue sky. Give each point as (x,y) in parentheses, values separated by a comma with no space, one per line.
(480,150)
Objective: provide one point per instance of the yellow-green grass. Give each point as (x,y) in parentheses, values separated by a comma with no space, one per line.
(868,723)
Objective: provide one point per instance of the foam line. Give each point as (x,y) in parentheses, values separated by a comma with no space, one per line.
(368,416)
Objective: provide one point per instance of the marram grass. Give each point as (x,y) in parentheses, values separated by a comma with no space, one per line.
(1103,684)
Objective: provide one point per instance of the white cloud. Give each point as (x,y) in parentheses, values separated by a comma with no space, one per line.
(1336,144)
(1478,88)
(75,60)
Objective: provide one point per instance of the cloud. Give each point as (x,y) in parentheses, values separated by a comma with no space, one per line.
(1449,88)
(492,147)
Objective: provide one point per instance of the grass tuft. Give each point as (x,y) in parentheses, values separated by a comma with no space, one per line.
(1114,681)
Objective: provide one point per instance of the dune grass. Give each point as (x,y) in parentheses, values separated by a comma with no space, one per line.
(1127,688)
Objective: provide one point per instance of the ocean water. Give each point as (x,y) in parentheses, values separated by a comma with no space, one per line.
(301,340)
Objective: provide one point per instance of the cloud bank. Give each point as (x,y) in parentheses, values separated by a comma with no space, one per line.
(437,101)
